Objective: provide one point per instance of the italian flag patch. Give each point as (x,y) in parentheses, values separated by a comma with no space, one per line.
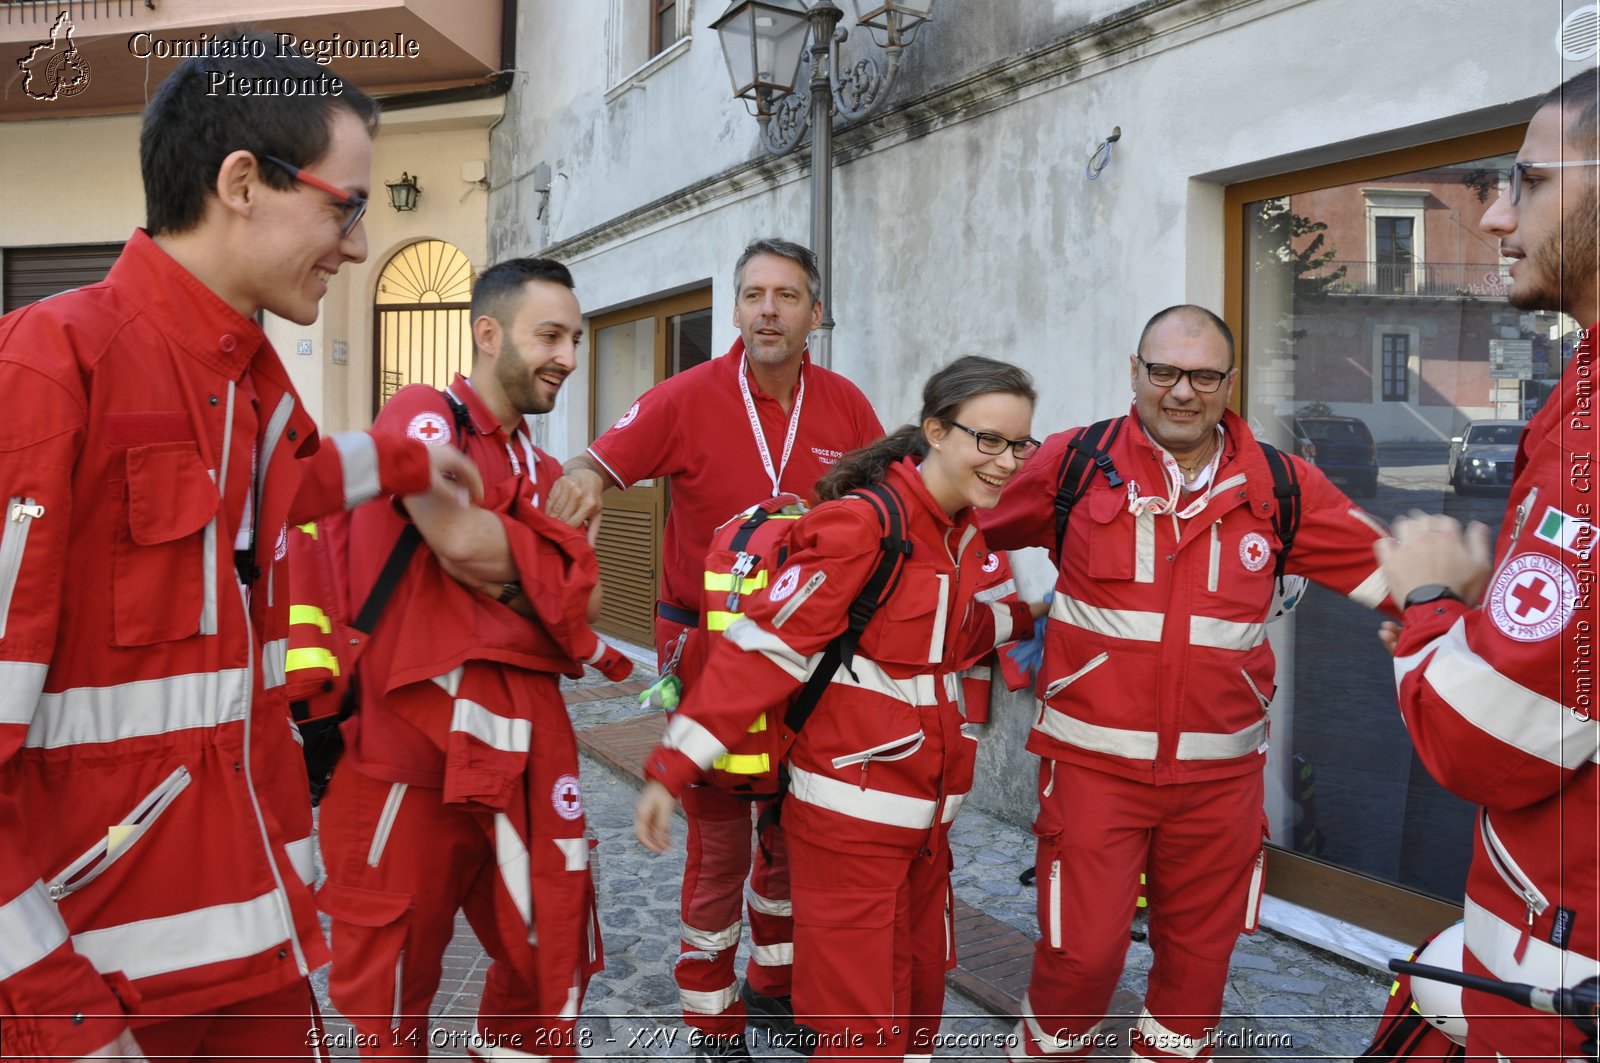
(1566,531)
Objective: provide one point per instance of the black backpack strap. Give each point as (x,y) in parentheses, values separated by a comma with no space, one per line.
(463,418)
(1286,515)
(388,579)
(1088,447)
(744,563)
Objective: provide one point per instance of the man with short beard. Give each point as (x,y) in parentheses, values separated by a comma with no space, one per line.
(459,790)
(1495,672)
(728,433)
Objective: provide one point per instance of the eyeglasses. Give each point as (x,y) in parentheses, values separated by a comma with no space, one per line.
(994,445)
(355,206)
(1165,376)
(1522,167)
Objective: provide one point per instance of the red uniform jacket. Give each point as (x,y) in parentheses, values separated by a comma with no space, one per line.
(883,760)
(1500,701)
(141,688)
(1157,666)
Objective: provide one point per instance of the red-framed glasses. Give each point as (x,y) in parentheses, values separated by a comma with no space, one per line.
(355,206)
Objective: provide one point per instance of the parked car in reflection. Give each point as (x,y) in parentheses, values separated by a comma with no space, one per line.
(1342,447)
(1481,458)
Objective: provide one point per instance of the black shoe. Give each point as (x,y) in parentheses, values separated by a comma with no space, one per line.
(776,1016)
(712,1049)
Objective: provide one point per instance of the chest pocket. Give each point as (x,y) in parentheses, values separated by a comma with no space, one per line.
(165,565)
(1112,534)
(915,620)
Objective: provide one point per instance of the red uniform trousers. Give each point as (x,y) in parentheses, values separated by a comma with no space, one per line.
(873,939)
(718,858)
(400,864)
(284,1024)
(1198,843)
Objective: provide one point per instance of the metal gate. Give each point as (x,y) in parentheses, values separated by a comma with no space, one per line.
(423,319)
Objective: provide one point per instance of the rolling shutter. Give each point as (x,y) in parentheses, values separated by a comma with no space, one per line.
(28,274)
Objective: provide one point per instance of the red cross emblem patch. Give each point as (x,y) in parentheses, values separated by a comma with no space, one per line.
(430,428)
(626,419)
(567,797)
(991,563)
(1532,597)
(1254,551)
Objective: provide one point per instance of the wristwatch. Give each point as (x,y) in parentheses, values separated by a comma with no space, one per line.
(1431,592)
(508,592)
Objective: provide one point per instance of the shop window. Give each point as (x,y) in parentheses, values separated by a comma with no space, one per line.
(1345,322)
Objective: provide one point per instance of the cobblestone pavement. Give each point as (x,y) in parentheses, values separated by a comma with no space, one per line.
(1284,1000)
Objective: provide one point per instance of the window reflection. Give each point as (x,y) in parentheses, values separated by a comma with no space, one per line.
(1379,345)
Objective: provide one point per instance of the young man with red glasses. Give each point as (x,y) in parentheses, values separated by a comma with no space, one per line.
(155,827)
(1157,674)
(1495,667)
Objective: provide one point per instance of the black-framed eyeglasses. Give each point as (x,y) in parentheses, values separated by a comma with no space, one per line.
(355,206)
(994,445)
(1165,376)
(1520,168)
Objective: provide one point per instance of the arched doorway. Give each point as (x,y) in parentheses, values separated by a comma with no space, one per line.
(423,320)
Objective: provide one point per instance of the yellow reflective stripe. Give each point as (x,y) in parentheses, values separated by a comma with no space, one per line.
(743,763)
(310,614)
(309,527)
(311,657)
(759,726)
(723,582)
(718,620)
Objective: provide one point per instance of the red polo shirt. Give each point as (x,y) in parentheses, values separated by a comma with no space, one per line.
(694,428)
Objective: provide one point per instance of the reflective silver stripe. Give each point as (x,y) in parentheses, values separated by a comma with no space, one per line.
(941,617)
(303,858)
(752,638)
(386,818)
(929,688)
(714,1002)
(146,707)
(1002,622)
(1372,591)
(1168,1040)
(1502,708)
(952,807)
(978,671)
(270,438)
(778,955)
(1135,745)
(1212,571)
(196,938)
(1144,548)
(1494,942)
(766,905)
(817,579)
(274,663)
(490,728)
(711,940)
(1029,1028)
(857,802)
(481,1048)
(995,593)
(693,741)
(1225,634)
(574,852)
(208,578)
(1058,685)
(30,930)
(1134,624)
(20,684)
(358,455)
(515,871)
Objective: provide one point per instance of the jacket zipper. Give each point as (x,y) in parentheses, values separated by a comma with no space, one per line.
(20,515)
(1055,904)
(1057,686)
(380,836)
(94,862)
(1513,877)
(867,756)
(1216,556)
(1251,683)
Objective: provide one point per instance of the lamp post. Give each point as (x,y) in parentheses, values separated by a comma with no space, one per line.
(763,42)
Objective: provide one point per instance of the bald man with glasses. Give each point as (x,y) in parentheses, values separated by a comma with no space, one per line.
(1155,684)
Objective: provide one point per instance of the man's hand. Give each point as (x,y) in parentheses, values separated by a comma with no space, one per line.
(1389,635)
(1432,548)
(652,816)
(453,476)
(123,1048)
(575,498)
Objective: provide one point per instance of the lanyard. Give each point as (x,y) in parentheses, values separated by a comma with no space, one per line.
(755,425)
(1157,505)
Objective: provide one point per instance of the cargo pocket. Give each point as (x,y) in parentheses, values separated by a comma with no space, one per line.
(847,938)
(370,928)
(164,579)
(1113,553)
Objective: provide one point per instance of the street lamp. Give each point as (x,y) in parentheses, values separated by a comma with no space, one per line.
(762,41)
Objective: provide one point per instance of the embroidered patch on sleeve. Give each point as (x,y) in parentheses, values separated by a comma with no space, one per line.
(567,797)
(626,419)
(430,428)
(1566,532)
(1532,597)
(1254,551)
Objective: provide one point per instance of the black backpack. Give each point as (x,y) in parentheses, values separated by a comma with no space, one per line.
(1088,452)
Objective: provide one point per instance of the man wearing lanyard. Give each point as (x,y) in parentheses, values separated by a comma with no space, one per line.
(728,433)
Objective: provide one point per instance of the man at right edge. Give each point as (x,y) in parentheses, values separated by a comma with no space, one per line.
(1495,672)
